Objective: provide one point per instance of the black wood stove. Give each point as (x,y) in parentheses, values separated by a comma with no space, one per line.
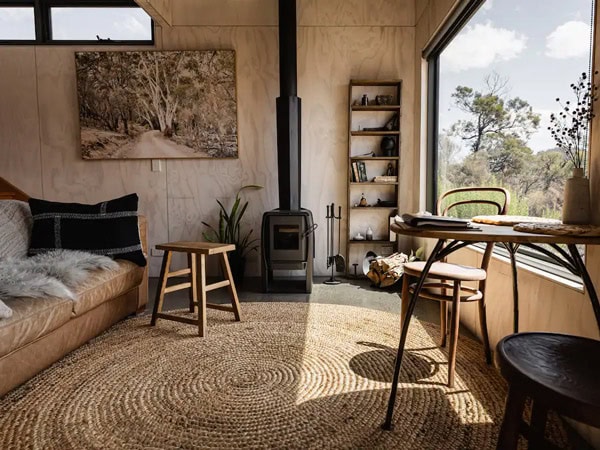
(288,232)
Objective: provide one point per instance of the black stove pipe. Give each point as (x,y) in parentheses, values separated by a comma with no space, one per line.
(288,111)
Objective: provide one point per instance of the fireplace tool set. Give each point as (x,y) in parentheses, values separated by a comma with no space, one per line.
(335,261)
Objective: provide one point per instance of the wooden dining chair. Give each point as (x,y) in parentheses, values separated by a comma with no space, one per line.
(445,280)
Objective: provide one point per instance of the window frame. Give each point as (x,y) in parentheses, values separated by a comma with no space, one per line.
(459,17)
(43,21)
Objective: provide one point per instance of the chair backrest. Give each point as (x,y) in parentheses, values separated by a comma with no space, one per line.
(474,196)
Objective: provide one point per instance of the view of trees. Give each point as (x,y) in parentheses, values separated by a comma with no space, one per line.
(496,131)
(157,104)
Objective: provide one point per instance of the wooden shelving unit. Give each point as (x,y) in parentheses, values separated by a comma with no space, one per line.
(361,143)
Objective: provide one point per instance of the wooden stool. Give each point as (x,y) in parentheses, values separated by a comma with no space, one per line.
(558,372)
(193,250)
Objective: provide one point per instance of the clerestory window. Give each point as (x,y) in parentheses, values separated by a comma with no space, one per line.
(72,22)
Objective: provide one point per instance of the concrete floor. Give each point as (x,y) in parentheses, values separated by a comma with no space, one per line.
(352,292)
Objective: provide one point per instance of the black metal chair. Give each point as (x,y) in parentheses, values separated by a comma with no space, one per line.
(447,285)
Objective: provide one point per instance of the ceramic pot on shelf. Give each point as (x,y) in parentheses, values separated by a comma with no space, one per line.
(576,206)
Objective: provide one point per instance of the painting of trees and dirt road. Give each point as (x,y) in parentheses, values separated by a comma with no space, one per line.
(157,104)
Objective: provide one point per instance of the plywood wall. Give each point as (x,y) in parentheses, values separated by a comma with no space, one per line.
(337,40)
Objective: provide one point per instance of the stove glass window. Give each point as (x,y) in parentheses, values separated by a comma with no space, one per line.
(286,237)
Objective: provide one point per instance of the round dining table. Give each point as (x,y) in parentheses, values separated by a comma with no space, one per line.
(450,240)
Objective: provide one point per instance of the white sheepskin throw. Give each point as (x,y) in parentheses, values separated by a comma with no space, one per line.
(53,274)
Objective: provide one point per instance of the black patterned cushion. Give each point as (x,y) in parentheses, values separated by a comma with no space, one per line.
(109,228)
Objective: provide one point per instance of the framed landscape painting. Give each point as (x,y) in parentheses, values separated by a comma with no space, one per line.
(157,104)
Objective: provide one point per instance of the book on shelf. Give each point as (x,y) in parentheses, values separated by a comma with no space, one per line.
(362,171)
(355,174)
(427,220)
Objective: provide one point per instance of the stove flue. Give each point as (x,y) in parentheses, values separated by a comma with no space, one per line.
(288,232)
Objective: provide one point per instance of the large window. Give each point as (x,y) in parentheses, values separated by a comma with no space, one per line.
(495,75)
(74,22)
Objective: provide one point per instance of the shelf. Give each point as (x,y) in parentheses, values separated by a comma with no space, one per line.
(375,133)
(374,207)
(370,183)
(393,83)
(374,158)
(379,242)
(372,116)
(392,108)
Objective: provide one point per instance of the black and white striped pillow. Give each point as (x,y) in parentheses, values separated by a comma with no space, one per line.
(108,228)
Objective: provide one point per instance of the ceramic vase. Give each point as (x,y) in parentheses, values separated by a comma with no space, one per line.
(576,206)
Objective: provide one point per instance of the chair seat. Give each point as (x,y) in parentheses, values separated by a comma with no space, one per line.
(445,271)
(443,292)
(559,370)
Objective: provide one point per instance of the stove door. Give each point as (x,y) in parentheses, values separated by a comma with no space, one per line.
(286,238)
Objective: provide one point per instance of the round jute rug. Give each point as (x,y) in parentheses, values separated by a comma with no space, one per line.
(288,376)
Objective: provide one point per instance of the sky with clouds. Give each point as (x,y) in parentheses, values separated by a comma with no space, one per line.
(78,23)
(540,46)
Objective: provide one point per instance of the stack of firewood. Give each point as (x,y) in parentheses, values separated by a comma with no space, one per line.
(385,271)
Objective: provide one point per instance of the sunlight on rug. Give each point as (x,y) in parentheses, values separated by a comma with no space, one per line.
(289,375)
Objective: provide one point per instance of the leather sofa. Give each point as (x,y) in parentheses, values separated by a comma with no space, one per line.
(43,330)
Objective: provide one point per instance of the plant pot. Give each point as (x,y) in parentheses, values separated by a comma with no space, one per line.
(238,267)
(576,206)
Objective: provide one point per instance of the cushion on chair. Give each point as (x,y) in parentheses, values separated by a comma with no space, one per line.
(108,228)
(445,271)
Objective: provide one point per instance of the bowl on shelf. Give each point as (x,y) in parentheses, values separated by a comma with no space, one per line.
(384,99)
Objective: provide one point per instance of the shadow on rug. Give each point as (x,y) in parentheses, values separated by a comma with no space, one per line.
(289,375)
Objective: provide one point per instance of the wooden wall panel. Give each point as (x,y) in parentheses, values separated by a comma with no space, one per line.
(420,6)
(328,59)
(160,10)
(350,13)
(545,305)
(20,161)
(177,199)
(66,176)
(310,12)
(194,185)
(225,12)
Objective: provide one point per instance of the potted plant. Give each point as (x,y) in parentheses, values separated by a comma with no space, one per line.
(570,130)
(229,231)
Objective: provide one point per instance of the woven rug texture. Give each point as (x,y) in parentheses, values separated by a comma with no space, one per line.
(289,375)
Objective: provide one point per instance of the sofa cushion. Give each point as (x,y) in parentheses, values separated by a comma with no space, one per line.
(102,285)
(15,228)
(31,319)
(107,228)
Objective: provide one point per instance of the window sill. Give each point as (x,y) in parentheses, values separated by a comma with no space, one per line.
(544,269)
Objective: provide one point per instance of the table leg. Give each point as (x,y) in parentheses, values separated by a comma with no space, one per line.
(587,281)
(387,425)
(512,251)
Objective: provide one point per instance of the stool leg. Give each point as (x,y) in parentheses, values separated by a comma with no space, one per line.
(193,292)
(537,427)
(162,284)
(454,332)
(202,309)
(443,323)
(235,303)
(511,422)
